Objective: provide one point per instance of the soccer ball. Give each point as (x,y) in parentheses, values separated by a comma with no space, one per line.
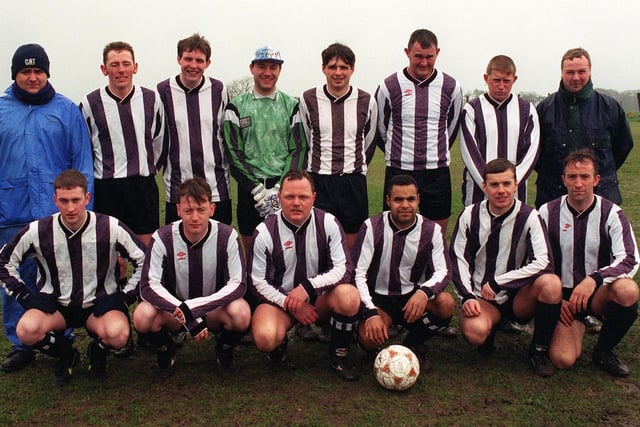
(396,367)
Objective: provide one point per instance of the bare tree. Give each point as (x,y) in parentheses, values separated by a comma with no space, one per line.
(240,86)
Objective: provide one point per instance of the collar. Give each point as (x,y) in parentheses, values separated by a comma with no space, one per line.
(199,243)
(335,100)
(498,105)
(72,233)
(583,213)
(501,218)
(574,98)
(272,96)
(43,96)
(294,227)
(119,100)
(420,83)
(397,230)
(186,89)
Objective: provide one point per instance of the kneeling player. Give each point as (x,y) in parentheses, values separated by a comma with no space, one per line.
(193,279)
(77,255)
(401,270)
(502,265)
(298,269)
(596,256)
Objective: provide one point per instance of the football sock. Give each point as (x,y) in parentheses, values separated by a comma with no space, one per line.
(53,344)
(545,317)
(342,328)
(616,322)
(230,338)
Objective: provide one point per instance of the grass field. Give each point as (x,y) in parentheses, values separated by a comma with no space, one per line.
(463,388)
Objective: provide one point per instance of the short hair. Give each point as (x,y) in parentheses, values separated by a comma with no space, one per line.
(296,175)
(197,188)
(118,47)
(498,165)
(581,155)
(194,42)
(69,179)
(576,52)
(426,38)
(341,51)
(401,181)
(501,63)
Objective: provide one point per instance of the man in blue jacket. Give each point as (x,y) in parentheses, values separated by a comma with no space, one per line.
(577,116)
(42,133)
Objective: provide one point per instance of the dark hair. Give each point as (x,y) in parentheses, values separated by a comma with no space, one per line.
(70,178)
(576,52)
(401,181)
(194,42)
(426,38)
(498,165)
(501,63)
(197,188)
(298,174)
(118,47)
(581,155)
(341,51)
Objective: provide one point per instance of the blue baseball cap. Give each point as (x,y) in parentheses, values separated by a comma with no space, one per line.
(268,54)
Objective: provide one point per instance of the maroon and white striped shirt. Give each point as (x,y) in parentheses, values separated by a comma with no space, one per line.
(126,134)
(340,131)
(418,121)
(193,136)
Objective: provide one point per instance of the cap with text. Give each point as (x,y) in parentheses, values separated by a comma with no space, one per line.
(268,54)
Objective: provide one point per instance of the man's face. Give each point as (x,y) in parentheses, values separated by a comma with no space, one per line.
(265,76)
(580,179)
(72,204)
(195,216)
(338,74)
(500,189)
(421,60)
(576,73)
(499,84)
(403,202)
(192,65)
(119,68)
(296,200)
(31,80)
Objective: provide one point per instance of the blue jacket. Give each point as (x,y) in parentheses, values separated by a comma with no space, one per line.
(587,119)
(37,142)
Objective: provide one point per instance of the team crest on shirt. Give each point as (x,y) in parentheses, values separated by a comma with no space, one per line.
(181,256)
(288,244)
(566,227)
(407,92)
(245,122)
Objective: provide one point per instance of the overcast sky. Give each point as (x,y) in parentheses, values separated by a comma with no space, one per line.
(534,33)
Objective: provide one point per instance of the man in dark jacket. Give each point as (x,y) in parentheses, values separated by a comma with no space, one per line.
(577,116)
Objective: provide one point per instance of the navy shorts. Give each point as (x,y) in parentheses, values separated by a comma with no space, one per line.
(76,317)
(435,190)
(133,200)
(392,305)
(248,216)
(345,197)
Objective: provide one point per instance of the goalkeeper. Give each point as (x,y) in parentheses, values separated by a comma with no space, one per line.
(265,139)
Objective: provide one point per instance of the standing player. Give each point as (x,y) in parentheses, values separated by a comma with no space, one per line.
(575,117)
(340,125)
(265,139)
(126,127)
(77,255)
(298,269)
(497,124)
(41,134)
(501,264)
(193,279)
(419,108)
(401,270)
(194,113)
(596,256)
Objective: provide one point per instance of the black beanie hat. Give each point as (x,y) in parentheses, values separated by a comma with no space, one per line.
(29,55)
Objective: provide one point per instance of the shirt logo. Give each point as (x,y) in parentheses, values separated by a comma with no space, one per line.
(566,227)
(288,244)
(245,122)
(181,256)
(407,92)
